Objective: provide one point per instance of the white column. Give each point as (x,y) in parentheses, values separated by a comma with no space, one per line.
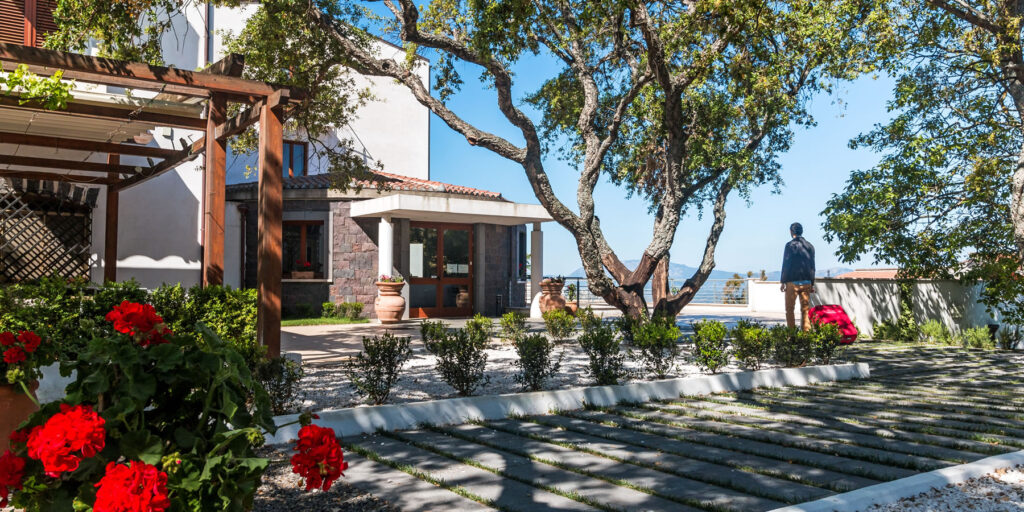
(536,258)
(385,247)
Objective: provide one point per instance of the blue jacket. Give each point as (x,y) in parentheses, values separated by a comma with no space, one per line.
(798,261)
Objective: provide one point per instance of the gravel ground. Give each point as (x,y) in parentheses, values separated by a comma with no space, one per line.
(282,492)
(328,387)
(1001,491)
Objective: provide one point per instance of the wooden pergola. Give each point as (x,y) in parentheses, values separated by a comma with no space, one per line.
(214,88)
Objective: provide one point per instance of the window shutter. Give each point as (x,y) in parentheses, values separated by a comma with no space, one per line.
(44,19)
(12,21)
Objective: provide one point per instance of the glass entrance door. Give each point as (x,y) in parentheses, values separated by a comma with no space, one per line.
(440,270)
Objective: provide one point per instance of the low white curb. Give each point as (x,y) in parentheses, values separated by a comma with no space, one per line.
(364,420)
(891,492)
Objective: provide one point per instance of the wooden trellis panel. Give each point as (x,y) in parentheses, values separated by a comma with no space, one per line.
(45,229)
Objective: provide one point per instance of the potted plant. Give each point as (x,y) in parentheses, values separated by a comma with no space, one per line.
(305,273)
(390,304)
(24,356)
(155,422)
(551,296)
(572,298)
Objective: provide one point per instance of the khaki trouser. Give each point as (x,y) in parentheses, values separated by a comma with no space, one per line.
(804,292)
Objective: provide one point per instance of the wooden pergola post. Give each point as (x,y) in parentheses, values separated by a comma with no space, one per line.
(213,196)
(270,208)
(110,233)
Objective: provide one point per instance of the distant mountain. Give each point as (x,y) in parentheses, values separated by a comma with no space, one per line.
(680,272)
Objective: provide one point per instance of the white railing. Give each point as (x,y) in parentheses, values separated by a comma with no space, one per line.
(714,291)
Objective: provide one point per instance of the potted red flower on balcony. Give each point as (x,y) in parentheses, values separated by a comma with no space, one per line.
(24,355)
(306,271)
(390,304)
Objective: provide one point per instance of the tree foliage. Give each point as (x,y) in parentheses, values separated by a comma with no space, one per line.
(941,202)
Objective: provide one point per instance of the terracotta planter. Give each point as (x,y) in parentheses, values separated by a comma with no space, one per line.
(302,274)
(462,299)
(16,407)
(390,305)
(551,296)
(573,307)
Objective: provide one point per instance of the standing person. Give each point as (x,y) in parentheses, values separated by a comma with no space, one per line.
(798,275)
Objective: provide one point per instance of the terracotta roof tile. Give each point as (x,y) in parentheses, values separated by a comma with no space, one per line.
(392,181)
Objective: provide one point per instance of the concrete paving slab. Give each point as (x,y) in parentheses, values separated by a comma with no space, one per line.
(404,490)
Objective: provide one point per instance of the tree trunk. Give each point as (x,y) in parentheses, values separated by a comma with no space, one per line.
(1017,205)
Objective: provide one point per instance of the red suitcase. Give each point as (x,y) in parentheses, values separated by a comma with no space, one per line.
(835,314)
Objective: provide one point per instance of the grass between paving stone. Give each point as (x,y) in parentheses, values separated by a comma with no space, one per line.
(572,495)
(457,489)
(872,421)
(756,492)
(957,424)
(901,400)
(560,465)
(782,475)
(700,428)
(293,322)
(894,433)
(936,395)
(803,461)
(824,436)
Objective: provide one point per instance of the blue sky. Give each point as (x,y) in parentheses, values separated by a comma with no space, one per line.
(815,168)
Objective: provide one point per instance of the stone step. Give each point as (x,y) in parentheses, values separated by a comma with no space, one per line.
(684,490)
(842,436)
(796,441)
(824,478)
(542,475)
(807,416)
(716,474)
(811,410)
(502,493)
(862,468)
(403,490)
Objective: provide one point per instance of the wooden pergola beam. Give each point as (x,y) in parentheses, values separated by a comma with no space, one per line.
(84,145)
(53,176)
(69,165)
(271,206)
(98,70)
(110,223)
(112,112)
(214,185)
(181,156)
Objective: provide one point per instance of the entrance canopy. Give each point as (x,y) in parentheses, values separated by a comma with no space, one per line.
(451,209)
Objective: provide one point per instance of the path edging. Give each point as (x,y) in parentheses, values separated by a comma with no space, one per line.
(895,490)
(365,420)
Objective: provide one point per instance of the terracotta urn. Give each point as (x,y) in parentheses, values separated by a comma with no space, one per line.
(390,305)
(551,296)
(462,299)
(16,407)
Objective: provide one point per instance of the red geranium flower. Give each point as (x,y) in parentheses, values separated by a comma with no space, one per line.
(30,339)
(7,339)
(73,434)
(139,321)
(135,487)
(12,471)
(18,437)
(14,355)
(319,460)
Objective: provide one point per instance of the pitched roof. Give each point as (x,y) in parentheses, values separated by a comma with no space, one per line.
(870,273)
(388,180)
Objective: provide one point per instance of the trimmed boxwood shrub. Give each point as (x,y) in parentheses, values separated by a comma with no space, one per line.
(752,344)
(375,369)
(710,349)
(560,324)
(535,362)
(792,347)
(657,346)
(513,325)
(461,360)
(607,361)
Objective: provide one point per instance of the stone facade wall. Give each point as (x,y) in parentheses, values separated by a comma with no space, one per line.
(354,261)
(354,257)
(500,273)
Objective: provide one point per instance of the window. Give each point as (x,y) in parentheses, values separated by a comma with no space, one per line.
(28,28)
(294,163)
(303,243)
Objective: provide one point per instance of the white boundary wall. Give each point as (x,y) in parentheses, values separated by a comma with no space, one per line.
(869,301)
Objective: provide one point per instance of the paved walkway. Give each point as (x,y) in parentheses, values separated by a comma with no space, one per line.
(322,344)
(923,409)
